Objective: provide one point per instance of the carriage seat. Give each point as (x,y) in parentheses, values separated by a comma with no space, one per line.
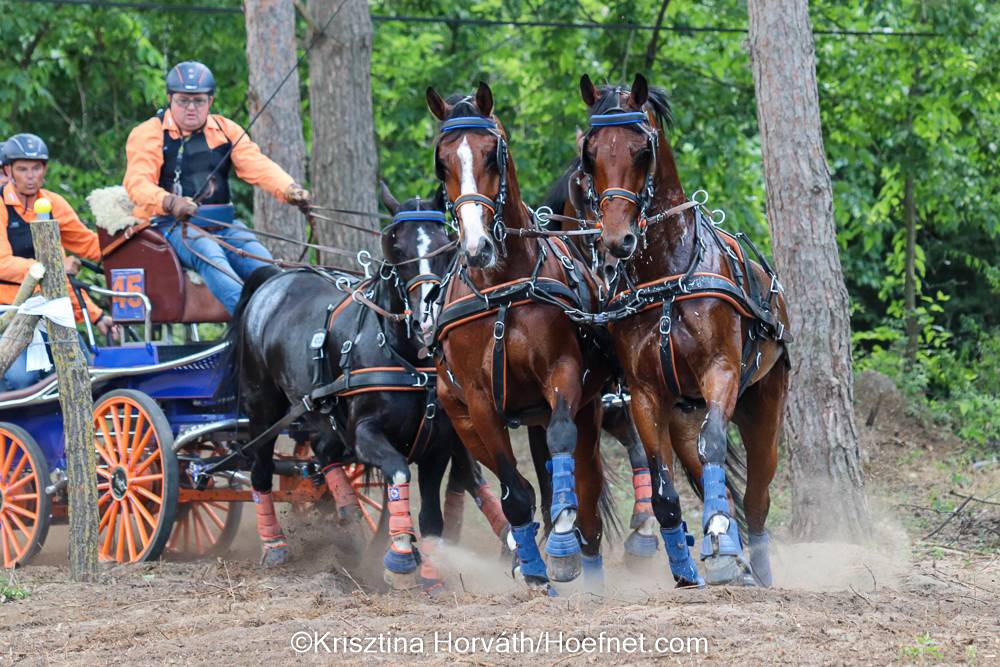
(174,296)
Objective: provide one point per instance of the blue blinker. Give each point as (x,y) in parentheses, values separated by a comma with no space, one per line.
(627,118)
(468,122)
(413,216)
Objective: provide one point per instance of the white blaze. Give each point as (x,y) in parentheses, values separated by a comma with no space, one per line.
(423,248)
(470,215)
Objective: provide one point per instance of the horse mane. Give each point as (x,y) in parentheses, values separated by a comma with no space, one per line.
(558,193)
(462,105)
(435,202)
(657,101)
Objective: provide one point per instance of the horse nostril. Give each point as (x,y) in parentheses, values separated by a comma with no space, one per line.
(628,244)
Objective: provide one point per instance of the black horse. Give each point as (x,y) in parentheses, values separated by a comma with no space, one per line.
(350,349)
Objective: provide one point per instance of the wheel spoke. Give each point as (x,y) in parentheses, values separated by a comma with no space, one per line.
(4,464)
(153,456)
(116,423)
(138,440)
(120,539)
(20,510)
(106,450)
(149,494)
(214,517)
(103,499)
(23,497)
(8,559)
(10,536)
(199,528)
(19,483)
(145,478)
(140,523)
(126,434)
(28,532)
(365,499)
(129,537)
(104,472)
(142,510)
(19,468)
(108,523)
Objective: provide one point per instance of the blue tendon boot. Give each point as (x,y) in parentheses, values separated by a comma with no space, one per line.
(529,559)
(593,573)
(682,566)
(563,545)
(721,548)
(760,561)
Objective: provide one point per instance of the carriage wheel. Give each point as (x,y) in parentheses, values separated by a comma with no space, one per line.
(370,493)
(207,528)
(136,476)
(25,508)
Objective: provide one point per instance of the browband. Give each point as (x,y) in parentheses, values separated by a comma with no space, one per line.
(623,118)
(411,216)
(464,122)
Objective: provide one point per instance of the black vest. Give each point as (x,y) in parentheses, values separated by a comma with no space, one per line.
(19,235)
(188,162)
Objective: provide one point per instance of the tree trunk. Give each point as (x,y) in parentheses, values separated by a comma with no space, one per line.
(270,26)
(828,498)
(77,404)
(344,159)
(910,281)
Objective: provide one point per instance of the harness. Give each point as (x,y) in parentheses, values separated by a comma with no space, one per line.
(743,293)
(19,234)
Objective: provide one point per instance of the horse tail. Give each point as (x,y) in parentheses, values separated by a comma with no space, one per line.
(229,362)
(606,503)
(736,481)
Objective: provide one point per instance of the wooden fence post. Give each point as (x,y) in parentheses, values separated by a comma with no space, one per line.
(76,401)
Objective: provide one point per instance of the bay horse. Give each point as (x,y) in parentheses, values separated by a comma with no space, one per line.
(507,353)
(348,352)
(699,328)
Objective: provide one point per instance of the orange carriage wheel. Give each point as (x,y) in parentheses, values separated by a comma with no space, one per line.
(25,508)
(137,474)
(370,493)
(204,528)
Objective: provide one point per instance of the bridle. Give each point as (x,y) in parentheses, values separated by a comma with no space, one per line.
(419,216)
(643,199)
(498,230)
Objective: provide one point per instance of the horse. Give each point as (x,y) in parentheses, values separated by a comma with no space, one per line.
(346,351)
(507,353)
(699,328)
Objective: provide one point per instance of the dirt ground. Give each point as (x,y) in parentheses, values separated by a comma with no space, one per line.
(899,599)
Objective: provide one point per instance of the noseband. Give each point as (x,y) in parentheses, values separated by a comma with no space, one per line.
(642,199)
(497,229)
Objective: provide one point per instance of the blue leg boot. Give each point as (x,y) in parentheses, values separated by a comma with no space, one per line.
(593,573)
(721,548)
(682,566)
(529,559)
(760,561)
(563,545)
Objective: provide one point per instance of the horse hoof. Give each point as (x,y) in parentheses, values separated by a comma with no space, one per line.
(274,555)
(723,570)
(398,562)
(641,546)
(431,586)
(399,581)
(564,568)
(540,587)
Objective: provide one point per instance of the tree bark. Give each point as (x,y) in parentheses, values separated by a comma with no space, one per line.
(16,338)
(270,26)
(344,158)
(910,281)
(26,289)
(77,405)
(828,496)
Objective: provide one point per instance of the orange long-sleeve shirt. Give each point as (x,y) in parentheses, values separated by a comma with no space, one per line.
(144,151)
(76,238)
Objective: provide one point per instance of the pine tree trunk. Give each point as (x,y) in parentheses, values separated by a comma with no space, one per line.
(828,497)
(344,159)
(270,26)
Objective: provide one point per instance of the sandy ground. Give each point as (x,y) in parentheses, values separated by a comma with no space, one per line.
(897,600)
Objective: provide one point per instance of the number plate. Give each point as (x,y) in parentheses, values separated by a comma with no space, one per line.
(128,309)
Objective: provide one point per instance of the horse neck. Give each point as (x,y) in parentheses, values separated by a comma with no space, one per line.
(396,332)
(669,242)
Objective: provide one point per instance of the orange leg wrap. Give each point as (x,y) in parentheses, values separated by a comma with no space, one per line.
(429,573)
(490,506)
(643,492)
(454,504)
(340,486)
(400,522)
(268,527)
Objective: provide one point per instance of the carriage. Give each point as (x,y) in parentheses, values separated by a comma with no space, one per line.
(157,424)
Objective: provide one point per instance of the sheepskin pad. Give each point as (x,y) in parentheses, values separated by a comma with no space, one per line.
(112,209)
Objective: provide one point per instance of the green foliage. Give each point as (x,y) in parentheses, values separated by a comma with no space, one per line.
(11,592)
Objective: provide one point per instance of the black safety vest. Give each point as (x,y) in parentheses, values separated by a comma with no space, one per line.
(188,162)
(19,235)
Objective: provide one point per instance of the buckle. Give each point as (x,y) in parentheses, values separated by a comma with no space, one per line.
(431,410)
(666,323)
(499,328)
(422,379)
(346,347)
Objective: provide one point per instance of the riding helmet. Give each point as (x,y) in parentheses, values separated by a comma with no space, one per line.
(25,146)
(190,77)
(3,153)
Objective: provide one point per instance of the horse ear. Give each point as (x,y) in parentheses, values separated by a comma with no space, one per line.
(436,104)
(437,199)
(588,91)
(484,99)
(640,91)
(391,203)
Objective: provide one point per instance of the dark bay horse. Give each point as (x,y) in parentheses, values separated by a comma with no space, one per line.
(508,354)
(700,331)
(350,348)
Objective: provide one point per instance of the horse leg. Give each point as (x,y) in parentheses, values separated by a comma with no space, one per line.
(540,458)
(641,542)
(329,452)
(467,477)
(648,411)
(590,482)
(373,448)
(486,438)
(721,547)
(758,416)
(275,547)
(430,472)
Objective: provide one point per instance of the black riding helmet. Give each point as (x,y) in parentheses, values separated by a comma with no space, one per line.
(190,77)
(25,146)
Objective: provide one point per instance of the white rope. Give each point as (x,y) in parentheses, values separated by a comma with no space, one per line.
(58,311)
